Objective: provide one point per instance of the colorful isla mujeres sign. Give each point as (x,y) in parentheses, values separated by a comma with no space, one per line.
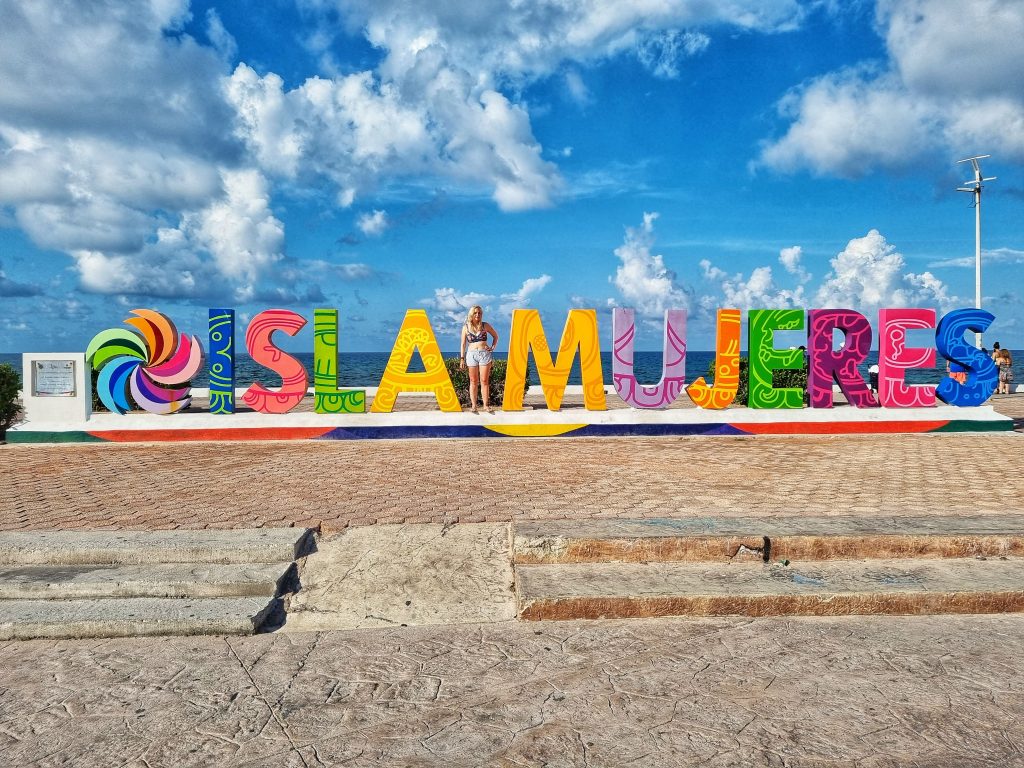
(151,362)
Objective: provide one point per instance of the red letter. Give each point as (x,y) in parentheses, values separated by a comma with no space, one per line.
(263,351)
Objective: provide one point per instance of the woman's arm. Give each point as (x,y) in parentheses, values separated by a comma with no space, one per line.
(490,329)
(462,348)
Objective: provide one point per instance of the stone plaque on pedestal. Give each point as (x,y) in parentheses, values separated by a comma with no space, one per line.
(53,378)
(56,387)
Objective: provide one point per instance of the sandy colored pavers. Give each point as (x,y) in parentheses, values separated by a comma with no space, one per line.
(405,575)
(871,691)
(393,481)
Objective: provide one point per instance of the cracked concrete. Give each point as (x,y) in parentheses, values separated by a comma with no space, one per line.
(867,691)
(406,575)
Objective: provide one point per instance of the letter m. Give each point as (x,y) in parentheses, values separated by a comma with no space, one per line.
(528,334)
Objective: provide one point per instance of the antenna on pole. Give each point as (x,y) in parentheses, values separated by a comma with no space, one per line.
(974,187)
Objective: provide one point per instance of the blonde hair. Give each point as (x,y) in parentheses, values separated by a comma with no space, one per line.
(469,315)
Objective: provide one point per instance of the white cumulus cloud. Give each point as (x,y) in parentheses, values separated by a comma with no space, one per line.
(360,129)
(373,224)
(953,82)
(443,100)
(451,305)
(531,38)
(151,158)
(643,280)
(225,247)
(116,148)
(521,298)
(758,291)
(790,258)
(870,274)
(867,275)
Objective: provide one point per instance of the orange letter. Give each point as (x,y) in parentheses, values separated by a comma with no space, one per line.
(727,365)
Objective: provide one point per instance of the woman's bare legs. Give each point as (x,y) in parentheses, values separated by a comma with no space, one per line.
(485,385)
(474,377)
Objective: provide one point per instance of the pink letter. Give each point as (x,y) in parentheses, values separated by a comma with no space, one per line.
(263,351)
(895,357)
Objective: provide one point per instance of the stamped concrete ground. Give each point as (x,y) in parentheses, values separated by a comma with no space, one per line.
(910,691)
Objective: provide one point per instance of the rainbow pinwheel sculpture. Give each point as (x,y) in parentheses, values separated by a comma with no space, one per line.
(149,361)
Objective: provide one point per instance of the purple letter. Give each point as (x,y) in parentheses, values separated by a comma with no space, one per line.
(826,364)
(673,364)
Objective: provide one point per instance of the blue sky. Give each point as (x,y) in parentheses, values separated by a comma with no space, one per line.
(377,155)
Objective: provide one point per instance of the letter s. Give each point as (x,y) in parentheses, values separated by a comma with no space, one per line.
(982,374)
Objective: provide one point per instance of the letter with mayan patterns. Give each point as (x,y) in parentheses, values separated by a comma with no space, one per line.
(528,333)
(263,351)
(222,361)
(673,362)
(982,373)
(328,398)
(727,365)
(895,358)
(828,364)
(415,334)
(764,358)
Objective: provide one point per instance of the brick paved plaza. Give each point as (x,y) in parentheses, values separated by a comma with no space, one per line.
(344,483)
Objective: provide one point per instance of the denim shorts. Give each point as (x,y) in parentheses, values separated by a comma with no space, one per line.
(477,357)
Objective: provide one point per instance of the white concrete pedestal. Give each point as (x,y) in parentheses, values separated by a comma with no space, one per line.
(56,387)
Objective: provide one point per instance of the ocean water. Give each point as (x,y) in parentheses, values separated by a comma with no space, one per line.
(364,369)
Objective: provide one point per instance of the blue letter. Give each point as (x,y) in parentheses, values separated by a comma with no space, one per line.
(982,374)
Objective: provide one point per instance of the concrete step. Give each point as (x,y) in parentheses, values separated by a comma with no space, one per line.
(824,588)
(257,545)
(123,583)
(724,539)
(61,582)
(27,619)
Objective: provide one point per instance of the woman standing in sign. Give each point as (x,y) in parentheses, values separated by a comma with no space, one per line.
(476,355)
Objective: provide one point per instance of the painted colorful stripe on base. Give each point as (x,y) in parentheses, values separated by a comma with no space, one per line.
(413,431)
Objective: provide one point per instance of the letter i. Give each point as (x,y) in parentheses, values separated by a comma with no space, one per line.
(222,361)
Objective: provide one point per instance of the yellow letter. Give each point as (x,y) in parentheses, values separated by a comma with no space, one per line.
(415,333)
(527,333)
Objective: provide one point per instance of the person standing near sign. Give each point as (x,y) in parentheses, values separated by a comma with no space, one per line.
(476,355)
(956,371)
(1005,363)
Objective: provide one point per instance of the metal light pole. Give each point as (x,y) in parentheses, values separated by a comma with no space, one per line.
(974,186)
